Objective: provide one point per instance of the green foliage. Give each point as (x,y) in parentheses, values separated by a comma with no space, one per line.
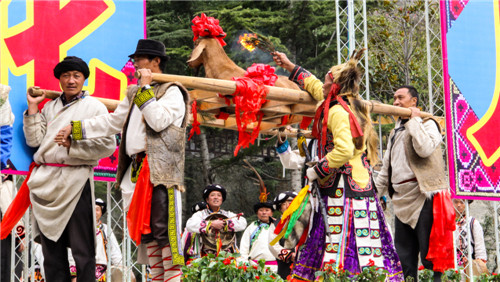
(426,275)
(487,277)
(369,274)
(288,24)
(226,267)
(452,275)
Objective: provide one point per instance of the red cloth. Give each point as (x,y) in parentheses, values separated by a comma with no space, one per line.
(248,99)
(139,214)
(304,124)
(18,207)
(441,239)
(196,123)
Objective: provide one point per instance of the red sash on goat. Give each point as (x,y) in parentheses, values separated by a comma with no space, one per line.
(139,214)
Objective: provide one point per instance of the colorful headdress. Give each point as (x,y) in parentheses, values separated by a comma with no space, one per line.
(346,78)
(207,27)
(263,190)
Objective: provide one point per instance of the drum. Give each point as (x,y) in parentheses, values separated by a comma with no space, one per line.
(210,238)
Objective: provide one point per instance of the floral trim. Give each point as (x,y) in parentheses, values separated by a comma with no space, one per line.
(20,231)
(77,130)
(204,226)
(144,97)
(284,255)
(177,259)
(229,226)
(298,75)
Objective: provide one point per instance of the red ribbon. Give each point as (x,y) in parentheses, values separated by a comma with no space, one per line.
(196,123)
(248,99)
(207,27)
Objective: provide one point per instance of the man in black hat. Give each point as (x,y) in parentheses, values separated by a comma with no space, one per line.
(61,182)
(214,219)
(152,120)
(255,240)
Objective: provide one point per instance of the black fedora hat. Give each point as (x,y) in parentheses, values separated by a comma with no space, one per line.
(150,47)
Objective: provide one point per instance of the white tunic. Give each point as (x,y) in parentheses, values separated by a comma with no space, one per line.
(115,254)
(55,191)
(159,114)
(407,199)
(260,247)
(196,223)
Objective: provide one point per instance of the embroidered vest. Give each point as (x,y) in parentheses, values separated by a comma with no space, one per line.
(430,173)
(165,149)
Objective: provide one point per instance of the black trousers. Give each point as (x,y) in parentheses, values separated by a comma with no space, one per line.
(79,236)
(284,269)
(410,242)
(159,217)
(6,245)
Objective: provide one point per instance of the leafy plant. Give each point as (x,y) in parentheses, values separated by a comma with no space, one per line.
(225,267)
(425,275)
(452,275)
(369,274)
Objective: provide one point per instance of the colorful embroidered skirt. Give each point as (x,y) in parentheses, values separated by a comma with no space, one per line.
(359,234)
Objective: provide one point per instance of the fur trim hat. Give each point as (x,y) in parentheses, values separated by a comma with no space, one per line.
(282,197)
(102,204)
(214,187)
(348,76)
(150,47)
(71,63)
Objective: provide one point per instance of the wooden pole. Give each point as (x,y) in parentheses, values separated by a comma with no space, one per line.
(275,93)
(110,104)
(228,87)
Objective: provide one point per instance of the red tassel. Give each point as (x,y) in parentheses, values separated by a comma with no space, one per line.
(196,123)
(306,121)
(222,115)
(284,120)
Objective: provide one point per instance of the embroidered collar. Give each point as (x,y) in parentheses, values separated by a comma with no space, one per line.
(65,102)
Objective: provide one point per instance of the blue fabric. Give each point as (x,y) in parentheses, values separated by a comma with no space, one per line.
(6,133)
(282,148)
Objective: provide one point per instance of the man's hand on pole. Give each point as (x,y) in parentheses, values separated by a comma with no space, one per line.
(34,101)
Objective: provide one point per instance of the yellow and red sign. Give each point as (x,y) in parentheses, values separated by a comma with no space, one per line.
(36,35)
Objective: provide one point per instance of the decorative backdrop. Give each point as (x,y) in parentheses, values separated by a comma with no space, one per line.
(36,35)
(470,33)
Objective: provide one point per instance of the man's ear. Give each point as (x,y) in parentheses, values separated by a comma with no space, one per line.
(157,60)
(414,100)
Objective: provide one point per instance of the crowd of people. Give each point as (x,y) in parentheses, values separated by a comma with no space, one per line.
(344,222)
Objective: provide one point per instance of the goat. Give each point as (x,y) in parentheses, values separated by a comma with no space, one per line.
(209,53)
